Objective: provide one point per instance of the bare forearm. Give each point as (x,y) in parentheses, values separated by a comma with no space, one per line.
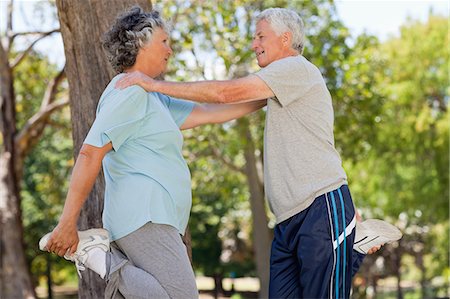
(226,112)
(202,91)
(83,178)
(246,89)
(64,237)
(219,113)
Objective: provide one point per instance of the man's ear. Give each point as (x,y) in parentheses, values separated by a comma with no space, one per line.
(287,39)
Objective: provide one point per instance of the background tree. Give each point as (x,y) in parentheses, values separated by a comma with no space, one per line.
(213,41)
(46,168)
(17,140)
(375,130)
(88,72)
(396,94)
(391,128)
(219,212)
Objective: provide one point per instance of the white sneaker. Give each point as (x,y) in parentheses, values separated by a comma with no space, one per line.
(374,232)
(91,248)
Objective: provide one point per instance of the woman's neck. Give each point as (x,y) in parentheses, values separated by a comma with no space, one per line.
(136,68)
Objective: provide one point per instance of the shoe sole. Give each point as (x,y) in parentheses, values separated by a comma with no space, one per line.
(383,228)
(93,231)
(384,233)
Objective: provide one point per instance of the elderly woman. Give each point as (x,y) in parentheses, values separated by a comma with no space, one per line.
(136,136)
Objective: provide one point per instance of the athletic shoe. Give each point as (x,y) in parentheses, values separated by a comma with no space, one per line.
(374,232)
(93,242)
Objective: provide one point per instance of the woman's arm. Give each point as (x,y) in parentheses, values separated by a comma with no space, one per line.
(219,113)
(64,238)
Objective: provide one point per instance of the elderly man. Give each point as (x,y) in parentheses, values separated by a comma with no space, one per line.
(312,252)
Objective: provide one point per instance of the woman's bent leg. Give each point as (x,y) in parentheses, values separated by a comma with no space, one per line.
(156,261)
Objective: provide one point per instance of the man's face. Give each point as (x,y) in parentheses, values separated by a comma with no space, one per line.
(267,45)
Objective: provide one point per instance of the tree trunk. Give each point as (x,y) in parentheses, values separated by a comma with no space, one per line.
(49,278)
(261,232)
(88,72)
(375,285)
(15,278)
(218,286)
(397,261)
(420,264)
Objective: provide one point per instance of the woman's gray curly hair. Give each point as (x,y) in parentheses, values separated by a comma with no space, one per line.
(130,32)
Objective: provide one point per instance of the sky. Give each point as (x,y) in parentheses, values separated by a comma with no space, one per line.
(382,18)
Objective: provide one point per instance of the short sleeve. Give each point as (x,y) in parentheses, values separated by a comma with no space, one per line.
(119,117)
(288,78)
(179,109)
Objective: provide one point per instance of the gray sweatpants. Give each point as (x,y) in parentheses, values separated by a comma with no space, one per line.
(151,262)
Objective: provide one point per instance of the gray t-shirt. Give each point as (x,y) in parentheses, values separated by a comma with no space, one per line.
(300,161)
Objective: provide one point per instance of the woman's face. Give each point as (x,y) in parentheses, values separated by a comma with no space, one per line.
(153,57)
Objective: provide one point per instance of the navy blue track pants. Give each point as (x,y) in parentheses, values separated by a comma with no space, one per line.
(312,252)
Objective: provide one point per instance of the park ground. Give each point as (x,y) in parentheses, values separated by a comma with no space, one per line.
(246,287)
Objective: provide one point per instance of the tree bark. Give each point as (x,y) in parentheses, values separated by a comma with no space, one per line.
(88,72)
(261,232)
(397,269)
(218,285)
(15,278)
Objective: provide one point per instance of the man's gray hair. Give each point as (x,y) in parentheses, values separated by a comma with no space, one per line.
(285,20)
(130,32)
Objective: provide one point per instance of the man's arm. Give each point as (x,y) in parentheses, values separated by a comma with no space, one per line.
(246,89)
(64,237)
(219,113)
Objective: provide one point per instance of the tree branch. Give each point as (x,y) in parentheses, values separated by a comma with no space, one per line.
(9,24)
(197,62)
(56,125)
(22,55)
(52,88)
(24,33)
(174,18)
(7,95)
(216,153)
(34,127)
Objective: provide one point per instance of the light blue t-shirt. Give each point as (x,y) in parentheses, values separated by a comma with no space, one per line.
(147,178)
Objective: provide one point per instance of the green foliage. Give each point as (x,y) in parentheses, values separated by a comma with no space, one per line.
(46,167)
(390,101)
(392,124)
(406,148)
(358,100)
(417,117)
(45,184)
(437,247)
(217,192)
(391,128)
(213,41)
(32,76)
